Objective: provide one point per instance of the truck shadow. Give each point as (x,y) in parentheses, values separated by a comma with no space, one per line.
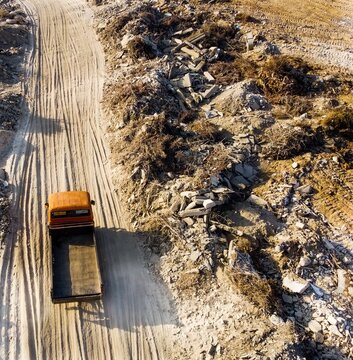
(133,297)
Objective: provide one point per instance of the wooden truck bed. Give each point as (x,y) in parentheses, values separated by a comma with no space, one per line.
(75,272)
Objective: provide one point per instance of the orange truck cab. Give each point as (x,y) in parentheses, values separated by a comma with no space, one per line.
(69,209)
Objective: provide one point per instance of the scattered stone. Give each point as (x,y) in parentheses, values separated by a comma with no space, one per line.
(295,165)
(319,337)
(334,330)
(296,286)
(304,261)
(209,204)
(317,290)
(332,320)
(287,299)
(194,256)
(194,212)
(341,281)
(255,200)
(276,320)
(188,221)
(300,225)
(314,326)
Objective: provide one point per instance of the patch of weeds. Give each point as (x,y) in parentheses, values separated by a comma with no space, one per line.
(339,122)
(285,142)
(257,290)
(284,75)
(219,34)
(291,106)
(227,73)
(140,47)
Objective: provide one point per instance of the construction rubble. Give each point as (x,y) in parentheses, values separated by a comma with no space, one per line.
(223,185)
(14,37)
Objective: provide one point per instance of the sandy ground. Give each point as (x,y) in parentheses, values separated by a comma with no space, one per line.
(319,30)
(60,147)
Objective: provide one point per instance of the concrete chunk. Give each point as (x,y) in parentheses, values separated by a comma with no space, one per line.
(209,204)
(194,212)
(295,285)
(210,92)
(209,77)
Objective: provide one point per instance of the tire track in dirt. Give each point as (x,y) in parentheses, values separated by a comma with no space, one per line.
(61,147)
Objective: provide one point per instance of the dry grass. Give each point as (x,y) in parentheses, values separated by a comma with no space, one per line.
(284,75)
(138,48)
(227,73)
(339,122)
(290,106)
(285,142)
(256,289)
(220,34)
(4,12)
(206,130)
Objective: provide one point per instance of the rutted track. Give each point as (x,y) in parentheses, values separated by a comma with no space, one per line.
(60,147)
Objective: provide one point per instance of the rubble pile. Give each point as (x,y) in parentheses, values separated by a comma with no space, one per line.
(14,37)
(193,101)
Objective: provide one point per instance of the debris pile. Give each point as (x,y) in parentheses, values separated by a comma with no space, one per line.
(14,37)
(209,124)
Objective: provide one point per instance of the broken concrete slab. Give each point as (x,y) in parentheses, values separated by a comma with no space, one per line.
(194,212)
(211,92)
(209,77)
(209,204)
(256,200)
(341,281)
(295,285)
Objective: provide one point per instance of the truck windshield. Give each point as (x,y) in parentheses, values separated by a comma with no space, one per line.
(70,213)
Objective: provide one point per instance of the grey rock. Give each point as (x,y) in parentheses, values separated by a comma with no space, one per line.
(245,170)
(287,299)
(194,212)
(256,200)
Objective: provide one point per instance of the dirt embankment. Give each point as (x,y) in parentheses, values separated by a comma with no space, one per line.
(14,38)
(235,157)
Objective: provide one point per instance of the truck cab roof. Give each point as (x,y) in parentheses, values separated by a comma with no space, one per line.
(69,200)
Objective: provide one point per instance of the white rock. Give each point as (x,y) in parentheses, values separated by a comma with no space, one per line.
(334,330)
(295,165)
(195,255)
(332,320)
(314,326)
(255,200)
(341,281)
(209,204)
(295,286)
(304,261)
(276,320)
(335,159)
(300,225)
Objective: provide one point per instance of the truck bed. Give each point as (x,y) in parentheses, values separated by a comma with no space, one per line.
(75,275)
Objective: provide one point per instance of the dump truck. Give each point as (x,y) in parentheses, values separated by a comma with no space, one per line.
(75,267)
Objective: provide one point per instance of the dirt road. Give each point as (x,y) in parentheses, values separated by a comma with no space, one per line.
(61,147)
